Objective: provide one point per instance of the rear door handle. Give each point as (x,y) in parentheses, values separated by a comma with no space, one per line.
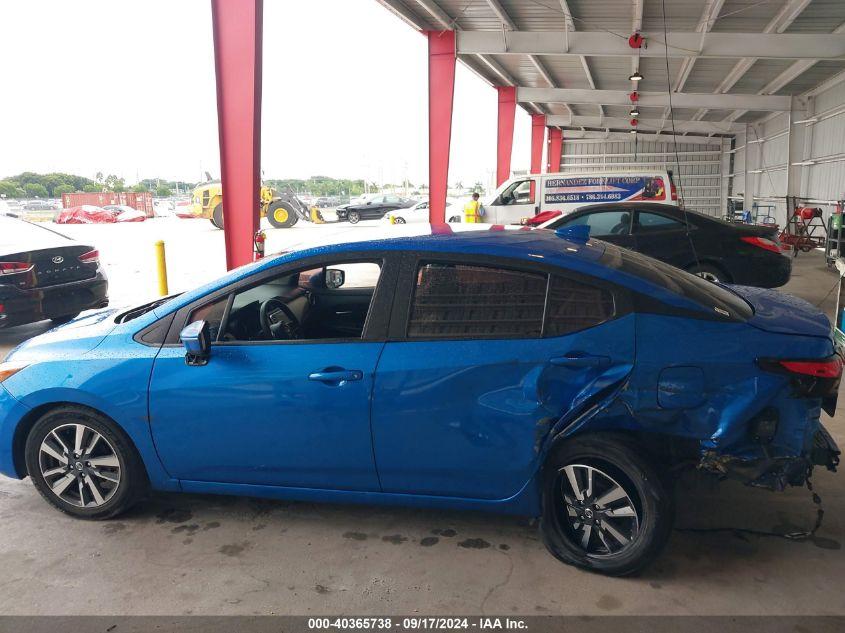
(576,362)
(336,377)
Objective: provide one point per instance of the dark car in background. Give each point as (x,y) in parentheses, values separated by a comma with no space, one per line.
(716,250)
(46,275)
(373,209)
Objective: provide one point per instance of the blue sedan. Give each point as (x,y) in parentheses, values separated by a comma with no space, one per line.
(512,371)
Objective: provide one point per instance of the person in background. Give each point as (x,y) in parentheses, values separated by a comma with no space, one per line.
(472,210)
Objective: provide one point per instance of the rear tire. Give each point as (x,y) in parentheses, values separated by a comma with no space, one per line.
(623,518)
(399,220)
(354,217)
(96,475)
(217,216)
(281,215)
(61,320)
(710,273)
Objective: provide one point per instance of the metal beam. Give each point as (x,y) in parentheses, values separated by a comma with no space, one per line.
(788,75)
(439,15)
(237,28)
(402,13)
(600,43)
(770,103)
(500,12)
(705,23)
(570,27)
(597,137)
(647,125)
(791,10)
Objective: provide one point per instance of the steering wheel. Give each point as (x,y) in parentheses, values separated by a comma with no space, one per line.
(278,322)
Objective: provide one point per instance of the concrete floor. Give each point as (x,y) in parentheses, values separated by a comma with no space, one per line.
(189,554)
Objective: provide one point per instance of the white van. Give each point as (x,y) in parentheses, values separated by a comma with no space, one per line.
(521,198)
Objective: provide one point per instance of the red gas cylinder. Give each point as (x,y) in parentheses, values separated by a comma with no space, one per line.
(808,213)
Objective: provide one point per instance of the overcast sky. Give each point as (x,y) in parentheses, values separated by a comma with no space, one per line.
(127,87)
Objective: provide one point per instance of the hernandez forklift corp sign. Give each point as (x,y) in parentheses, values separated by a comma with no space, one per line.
(604,189)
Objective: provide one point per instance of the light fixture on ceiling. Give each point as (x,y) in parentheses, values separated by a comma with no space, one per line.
(633,130)
(635,112)
(636,76)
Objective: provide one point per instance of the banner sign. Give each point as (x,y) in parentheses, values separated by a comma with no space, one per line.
(588,189)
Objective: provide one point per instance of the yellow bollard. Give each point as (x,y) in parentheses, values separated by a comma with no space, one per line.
(161,264)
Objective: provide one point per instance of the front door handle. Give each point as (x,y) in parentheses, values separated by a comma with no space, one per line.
(336,377)
(580,361)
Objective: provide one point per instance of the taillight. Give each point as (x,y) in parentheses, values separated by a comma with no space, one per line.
(810,378)
(828,368)
(91,257)
(14,268)
(674,190)
(763,242)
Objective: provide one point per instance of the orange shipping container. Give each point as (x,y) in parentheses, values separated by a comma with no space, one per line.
(140,201)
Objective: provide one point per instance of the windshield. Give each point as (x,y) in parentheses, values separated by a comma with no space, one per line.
(134,313)
(710,296)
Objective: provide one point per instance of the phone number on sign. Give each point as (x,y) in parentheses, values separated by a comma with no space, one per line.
(416,624)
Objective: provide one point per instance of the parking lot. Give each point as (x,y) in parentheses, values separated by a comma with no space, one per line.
(189,554)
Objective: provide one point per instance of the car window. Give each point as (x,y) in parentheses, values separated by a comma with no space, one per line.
(574,306)
(712,297)
(392,199)
(650,222)
(376,200)
(601,223)
(321,312)
(458,301)
(520,192)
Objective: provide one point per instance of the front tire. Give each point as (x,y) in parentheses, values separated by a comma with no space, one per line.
(217,216)
(84,464)
(354,217)
(399,220)
(281,215)
(605,508)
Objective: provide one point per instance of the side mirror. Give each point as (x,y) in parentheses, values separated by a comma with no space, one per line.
(574,232)
(197,341)
(335,278)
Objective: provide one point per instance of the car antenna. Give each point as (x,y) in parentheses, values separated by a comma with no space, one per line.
(681,201)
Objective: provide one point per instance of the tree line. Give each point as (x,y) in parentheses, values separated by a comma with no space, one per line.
(33,185)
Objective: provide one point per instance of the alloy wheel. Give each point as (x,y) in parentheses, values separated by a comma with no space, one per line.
(79,465)
(601,515)
(708,276)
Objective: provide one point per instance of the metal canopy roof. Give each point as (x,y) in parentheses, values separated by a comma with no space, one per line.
(730,61)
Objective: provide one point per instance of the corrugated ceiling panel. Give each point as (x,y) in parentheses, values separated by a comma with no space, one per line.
(681,15)
(821,16)
(746,16)
(707,74)
(812,77)
(760,74)
(590,15)
(545,15)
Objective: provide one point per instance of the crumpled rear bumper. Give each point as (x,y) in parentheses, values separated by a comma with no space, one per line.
(776,473)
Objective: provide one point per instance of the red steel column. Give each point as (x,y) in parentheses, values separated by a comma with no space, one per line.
(538,134)
(554,150)
(441,92)
(237,26)
(504,138)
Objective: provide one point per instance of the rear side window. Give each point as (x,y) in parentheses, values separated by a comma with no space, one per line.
(576,306)
(602,223)
(458,301)
(653,222)
(712,297)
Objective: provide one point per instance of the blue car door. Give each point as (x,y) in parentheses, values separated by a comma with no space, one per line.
(482,361)
(293,413)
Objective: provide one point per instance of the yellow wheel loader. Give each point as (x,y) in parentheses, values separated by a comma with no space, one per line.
(282,210)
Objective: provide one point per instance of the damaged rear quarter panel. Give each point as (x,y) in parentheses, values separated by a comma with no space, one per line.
(735,389)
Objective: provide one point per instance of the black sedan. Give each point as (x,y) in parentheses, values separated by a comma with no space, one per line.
(46,275)
(373,209)
(742,254)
